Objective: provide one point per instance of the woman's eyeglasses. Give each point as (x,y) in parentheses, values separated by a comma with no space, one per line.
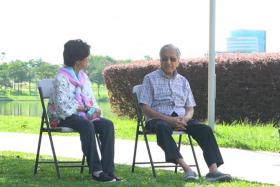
(165,59)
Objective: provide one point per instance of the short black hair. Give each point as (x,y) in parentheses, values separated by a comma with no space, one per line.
(75,50)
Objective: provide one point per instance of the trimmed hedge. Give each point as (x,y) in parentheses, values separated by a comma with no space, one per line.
(247,89)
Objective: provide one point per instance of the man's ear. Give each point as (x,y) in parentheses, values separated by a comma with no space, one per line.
(178,63)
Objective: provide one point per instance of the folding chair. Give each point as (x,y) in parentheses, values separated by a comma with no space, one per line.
(141,130)
(44,88)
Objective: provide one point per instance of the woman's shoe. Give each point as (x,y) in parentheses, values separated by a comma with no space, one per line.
(114,176)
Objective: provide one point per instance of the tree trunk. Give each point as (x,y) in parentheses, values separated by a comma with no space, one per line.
(98,88)
(29,87)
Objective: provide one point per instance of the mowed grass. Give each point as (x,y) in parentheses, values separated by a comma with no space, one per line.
(243,136)
(17,170)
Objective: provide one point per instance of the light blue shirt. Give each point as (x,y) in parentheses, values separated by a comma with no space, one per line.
(166,95)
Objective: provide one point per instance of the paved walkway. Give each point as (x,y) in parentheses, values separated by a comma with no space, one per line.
(257,166)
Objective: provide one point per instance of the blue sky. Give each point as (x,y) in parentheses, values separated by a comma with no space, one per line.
(125,29)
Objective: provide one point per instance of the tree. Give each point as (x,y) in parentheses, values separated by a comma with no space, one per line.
(126,61)
(44,70)
(95,69)
(5,78)
(18,72)
(2,56)
(148,57)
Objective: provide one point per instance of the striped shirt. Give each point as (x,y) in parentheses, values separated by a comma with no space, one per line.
(166,95)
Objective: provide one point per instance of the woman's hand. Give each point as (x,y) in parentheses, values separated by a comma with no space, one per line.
(94,113)
(81,109)
(98,112)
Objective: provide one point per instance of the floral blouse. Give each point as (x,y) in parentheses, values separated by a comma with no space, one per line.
(62,102)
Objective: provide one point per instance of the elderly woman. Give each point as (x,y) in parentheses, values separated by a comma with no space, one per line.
(72,104)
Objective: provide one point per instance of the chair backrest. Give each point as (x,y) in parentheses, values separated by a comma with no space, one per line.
(45,87)
(137,89)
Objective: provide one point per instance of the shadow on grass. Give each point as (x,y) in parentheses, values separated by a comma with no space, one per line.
(17,170)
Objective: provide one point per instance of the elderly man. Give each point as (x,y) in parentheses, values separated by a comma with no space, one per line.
(168,104)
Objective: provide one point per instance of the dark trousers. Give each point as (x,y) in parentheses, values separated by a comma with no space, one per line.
(203,134)
(87,129)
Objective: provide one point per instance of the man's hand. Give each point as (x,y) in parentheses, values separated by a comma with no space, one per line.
(185,120)
(177,123)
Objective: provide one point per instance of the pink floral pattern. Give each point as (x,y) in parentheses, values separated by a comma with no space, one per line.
(62,102)
(54,123)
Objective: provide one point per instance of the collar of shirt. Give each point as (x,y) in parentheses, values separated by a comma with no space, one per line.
(73,73)
(161,72)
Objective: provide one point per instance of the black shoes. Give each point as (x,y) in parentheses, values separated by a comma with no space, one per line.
(114,176)
(104,177)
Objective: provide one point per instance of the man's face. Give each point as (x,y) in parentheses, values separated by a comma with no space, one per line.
(169,61)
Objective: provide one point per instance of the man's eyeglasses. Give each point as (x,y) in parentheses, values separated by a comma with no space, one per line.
(165,59)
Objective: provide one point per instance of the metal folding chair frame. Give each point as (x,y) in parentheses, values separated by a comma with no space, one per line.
(140,130)
(45,128)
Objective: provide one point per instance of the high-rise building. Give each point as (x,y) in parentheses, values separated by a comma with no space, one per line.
(246,41)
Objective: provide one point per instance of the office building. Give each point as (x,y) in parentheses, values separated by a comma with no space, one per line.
(246,41)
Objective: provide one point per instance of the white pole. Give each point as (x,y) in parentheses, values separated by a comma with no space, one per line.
(211,67)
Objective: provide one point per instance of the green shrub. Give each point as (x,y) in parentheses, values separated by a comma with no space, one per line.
(247,89)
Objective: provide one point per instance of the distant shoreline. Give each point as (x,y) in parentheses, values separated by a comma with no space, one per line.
(19,98)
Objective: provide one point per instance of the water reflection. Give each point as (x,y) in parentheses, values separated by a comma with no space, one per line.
(20,108)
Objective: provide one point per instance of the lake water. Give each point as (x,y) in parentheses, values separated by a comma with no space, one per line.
(20,108)
(34,108)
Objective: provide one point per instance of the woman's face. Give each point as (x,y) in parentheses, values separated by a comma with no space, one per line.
(169,61)
(82,64)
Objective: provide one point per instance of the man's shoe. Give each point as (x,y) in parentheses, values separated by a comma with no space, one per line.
(104,177)
(190,176)
(218,176)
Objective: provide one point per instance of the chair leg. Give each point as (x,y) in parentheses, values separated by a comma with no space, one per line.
(179,147)
(135,149)
(83,164)
(54,155)
(150,155)
(194,156)
(38,152)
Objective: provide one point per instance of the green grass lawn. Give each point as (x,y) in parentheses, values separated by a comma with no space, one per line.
(244,136)
(241,136)
(17,170)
